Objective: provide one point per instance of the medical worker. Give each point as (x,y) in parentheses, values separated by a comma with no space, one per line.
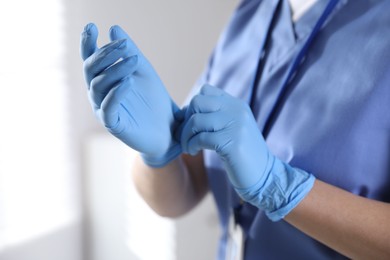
(288,127)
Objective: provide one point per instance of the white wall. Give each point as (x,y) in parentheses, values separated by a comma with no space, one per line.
(40,215)
(62,244)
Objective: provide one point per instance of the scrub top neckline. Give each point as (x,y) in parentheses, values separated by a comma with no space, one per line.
(296,33)
(303,28)
(305,24)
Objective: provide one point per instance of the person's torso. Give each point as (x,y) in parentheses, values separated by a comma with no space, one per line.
(334,121)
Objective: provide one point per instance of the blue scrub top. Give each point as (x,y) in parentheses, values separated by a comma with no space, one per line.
(334,121)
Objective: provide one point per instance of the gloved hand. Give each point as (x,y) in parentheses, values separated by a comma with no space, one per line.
(128,96)
(217,121)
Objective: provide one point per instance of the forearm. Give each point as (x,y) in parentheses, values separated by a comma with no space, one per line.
(354,226)
(170,191)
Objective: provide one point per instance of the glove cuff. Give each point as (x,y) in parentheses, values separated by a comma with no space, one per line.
(298,190)
(158,161)
(283,188)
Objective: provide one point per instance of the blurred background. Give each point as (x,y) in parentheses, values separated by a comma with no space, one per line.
(65,187)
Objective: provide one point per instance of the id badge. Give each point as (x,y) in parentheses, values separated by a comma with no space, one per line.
(235,243)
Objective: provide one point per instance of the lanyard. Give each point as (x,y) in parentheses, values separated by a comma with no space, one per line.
(293,68)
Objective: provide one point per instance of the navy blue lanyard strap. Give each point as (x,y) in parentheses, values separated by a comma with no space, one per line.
(292,69)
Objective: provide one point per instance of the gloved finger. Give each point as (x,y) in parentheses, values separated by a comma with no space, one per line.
(203,104)
(104,58)
(116,33)
(197,123)
(111,107)
(102,83)
(88,41)
(211,91)
(208,140)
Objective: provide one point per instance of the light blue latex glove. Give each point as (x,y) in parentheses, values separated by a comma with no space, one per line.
(217,121)
(128,96)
